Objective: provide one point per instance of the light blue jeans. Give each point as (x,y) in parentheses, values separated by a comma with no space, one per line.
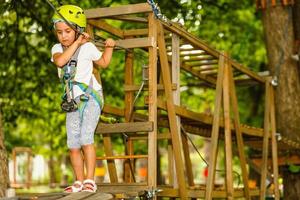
(81,132)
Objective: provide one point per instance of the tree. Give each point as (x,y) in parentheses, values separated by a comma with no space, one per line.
(279,37)
(3,164)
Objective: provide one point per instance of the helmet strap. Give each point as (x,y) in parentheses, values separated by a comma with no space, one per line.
(79,31)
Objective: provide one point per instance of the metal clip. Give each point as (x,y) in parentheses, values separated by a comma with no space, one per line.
(149,194)
(274,81)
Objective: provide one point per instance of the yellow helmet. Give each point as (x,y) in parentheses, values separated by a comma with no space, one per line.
(73,14)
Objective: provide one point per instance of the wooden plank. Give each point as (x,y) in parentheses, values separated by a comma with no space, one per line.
(136,32)
(77,196)
(113,110)
(137,42)
(129,98)
(192,57)
(175,78)
(215,133)
(132,43)
(171,165)
(126,127)
(101,24)
(227,131)
(100,195)
(161,136)
(198,74)
(137,87)
(282,161)
(176,96)
(130,189)
(121,157)
(188,161)
(152,109)
(264,166)
(238,133)
(217,194)
(43,196)
(108,150)
(171,113)
(200,193)
(130,18)
(115,11)
(274,141)
(201,62)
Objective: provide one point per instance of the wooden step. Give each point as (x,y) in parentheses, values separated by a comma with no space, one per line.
(122,157)
(128,127)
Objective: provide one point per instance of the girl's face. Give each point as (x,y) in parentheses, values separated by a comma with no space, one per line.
(65,34)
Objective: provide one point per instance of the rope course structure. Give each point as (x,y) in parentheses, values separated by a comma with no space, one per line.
(170,50)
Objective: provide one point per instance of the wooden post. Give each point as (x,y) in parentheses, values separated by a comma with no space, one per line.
(171,113)
(128,112)
(215,132)
(274,142)
(265,152)
(152,137)
(227,130)
(238,132)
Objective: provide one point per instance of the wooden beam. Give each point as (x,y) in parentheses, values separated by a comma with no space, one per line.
(120,10)
(227,132)
(238,132)
(126,127)
(152,109)
(108,150)
(137,87)
(101,24)
(174,126)
(215,133)
(133,43)
(274,140)
(282,160)
(129,98)
(113,110)
(136,32)
(122,157)
(130,18)
(264,166)
(189,69)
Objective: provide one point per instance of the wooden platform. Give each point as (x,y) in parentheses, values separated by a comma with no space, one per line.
(64,196)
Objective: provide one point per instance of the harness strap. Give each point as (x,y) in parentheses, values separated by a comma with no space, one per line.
(67,77)
(88,92)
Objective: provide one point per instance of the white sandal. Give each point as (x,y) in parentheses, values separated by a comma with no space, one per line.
(89,186)
(76,187)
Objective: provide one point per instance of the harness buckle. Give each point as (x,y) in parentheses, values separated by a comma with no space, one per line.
(72,63)
(69,106)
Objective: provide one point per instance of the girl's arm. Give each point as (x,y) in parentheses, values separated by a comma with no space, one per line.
(107,54)
(61,59)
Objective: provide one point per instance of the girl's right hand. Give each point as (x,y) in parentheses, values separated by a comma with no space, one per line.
(83,38)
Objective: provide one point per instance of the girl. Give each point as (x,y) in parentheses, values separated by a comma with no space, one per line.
(84,92)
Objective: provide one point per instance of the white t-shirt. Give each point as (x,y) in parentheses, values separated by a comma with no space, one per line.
(84,70)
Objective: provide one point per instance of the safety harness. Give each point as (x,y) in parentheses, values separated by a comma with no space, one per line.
(67,75)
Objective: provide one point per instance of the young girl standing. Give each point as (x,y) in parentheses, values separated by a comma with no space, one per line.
(83,94)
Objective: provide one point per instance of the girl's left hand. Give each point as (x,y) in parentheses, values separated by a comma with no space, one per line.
(110,43)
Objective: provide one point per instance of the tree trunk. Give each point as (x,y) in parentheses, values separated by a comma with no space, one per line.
(279,37)
(3,164)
